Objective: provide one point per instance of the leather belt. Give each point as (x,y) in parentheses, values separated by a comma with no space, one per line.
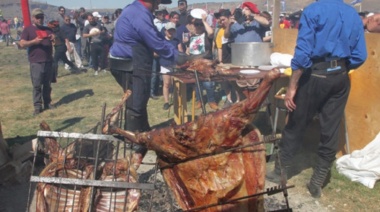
(326,67)
(121,64)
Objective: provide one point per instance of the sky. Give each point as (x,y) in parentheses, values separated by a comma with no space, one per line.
(104,4)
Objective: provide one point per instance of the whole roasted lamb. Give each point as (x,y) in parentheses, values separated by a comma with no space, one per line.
(195,159)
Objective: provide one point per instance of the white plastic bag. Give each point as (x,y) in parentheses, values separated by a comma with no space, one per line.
(363,165)
(280,60)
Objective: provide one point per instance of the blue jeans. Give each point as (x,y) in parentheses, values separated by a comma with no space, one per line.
(210,91)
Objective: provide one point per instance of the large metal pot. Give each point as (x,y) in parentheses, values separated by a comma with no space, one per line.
(251,53)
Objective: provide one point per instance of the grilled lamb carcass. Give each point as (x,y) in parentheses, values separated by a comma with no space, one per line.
(188,162)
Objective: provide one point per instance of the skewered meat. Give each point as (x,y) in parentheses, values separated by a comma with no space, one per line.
(118,200)
(51,197)
(204,66)
(197,180)
(64,163)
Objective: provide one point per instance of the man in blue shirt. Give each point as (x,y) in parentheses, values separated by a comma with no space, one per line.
(330,42)
(131,57)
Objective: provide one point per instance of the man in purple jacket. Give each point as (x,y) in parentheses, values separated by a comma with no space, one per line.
(131,56)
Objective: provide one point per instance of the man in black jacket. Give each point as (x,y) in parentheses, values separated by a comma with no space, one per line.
(70,30)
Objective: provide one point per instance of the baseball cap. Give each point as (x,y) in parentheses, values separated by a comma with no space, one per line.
(370,14)
(251,6)
(161,8)
(37,11)
(169,25)
(96,14)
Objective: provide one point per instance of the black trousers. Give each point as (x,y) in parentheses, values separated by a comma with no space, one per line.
(41,74)
(323,94)
(60,54)
(136,114)
(97,52)
(135,75)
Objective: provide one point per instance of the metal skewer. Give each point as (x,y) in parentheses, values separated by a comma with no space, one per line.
(199,91)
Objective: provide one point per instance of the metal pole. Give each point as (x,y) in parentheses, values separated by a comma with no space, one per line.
(199,91)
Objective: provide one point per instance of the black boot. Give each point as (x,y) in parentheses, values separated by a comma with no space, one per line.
(136,123)
(317,181)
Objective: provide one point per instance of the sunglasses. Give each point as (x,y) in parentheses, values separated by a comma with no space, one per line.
(198,24)
(39,16)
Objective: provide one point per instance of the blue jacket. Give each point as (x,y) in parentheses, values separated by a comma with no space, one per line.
(330,29)
(135,25)
(246,33)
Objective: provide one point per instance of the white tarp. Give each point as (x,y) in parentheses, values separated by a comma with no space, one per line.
(363,165)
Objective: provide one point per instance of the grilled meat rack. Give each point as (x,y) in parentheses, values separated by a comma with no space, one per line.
(73,188)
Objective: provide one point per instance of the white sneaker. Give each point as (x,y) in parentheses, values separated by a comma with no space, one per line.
(96,73)
(104,71)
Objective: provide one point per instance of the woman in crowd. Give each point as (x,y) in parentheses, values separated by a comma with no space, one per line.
(200,42)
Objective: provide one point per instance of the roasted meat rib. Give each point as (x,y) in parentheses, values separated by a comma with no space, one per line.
(197,180)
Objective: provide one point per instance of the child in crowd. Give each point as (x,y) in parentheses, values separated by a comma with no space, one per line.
(167,65)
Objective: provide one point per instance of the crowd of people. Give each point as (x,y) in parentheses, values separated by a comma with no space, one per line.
(211,34)
(82,40)
(6,24)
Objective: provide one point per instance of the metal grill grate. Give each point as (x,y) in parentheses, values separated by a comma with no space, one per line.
(89,166)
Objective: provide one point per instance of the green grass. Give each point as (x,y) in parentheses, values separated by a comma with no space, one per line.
(81,98)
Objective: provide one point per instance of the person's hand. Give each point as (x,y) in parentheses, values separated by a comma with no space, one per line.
(231,20)
(52,37)
(289,99)
(204,17)
(37,40)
